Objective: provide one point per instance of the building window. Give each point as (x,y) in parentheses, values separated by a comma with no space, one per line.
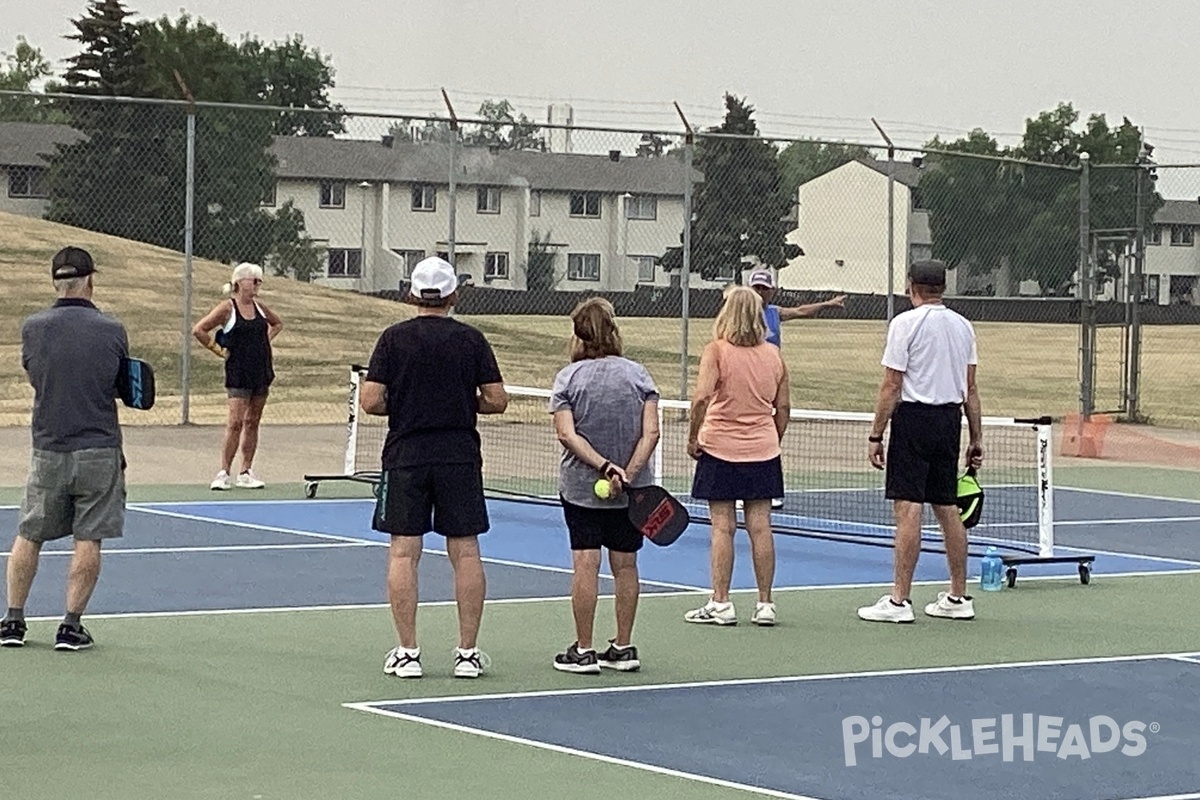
(583,266)
(411,259)
(487,200)
(268,198)
(1182,235)
(918,202)
(28,182)
(641,206)
(1183,290)
(344,263)
(535,204)
(1155,235)
(645,268)
(424,197)
(333,194)
(585,204)
(495,266)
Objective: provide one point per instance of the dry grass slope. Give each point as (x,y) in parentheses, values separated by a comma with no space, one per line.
(1026,370)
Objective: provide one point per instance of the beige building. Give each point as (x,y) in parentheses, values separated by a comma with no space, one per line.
(23,167)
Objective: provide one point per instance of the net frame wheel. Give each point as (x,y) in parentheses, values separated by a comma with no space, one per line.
(1011,577)
(310,489)
(1085,574)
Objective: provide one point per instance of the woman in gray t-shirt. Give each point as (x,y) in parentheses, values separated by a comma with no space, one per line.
(606,416)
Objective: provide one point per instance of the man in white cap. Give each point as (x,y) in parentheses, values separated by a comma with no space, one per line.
(431,376)
(763,282)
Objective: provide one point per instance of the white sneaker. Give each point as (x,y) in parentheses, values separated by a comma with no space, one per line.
(248,480)
(221,482)
(764,614)
(946,608)
(403,663)
(713,613)
(470,663)
(777,503)
(887,611)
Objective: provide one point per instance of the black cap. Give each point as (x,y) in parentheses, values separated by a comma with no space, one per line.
(929,273)
(71,262)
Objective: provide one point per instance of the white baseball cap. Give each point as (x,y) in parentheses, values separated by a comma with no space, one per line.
(433,279)
(761,277)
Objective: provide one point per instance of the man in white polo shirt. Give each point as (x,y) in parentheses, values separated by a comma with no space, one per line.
(929,380)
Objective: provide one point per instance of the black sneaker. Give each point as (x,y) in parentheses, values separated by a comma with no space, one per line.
(69,638)
(622,659)
(575,661)
(12,633)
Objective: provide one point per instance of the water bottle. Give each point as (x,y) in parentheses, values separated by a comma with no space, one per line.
(991,573)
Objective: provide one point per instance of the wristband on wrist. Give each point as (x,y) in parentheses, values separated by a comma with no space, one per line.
(875,439)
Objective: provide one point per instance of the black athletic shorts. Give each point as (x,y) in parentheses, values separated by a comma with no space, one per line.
(922,457)
(443,498)
(593,528)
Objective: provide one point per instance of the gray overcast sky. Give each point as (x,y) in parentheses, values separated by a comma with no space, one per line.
(820,68)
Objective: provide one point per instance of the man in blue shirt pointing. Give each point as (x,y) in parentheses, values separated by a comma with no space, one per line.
(763,282)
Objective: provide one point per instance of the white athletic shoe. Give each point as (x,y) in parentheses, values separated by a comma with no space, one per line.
(470,663)
(248,480)
(764,614)
(403,663)
(887,611)
(777,503)
(946,608)
(713,613)
(221,482)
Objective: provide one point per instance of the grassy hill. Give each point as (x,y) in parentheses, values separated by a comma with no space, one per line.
(834,363)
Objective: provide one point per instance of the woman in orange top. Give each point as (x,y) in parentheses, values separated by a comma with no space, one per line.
(739,414)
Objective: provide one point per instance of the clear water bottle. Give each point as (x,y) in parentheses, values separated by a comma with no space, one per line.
(991,573)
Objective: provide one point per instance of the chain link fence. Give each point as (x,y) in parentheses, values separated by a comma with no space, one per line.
(1083,300)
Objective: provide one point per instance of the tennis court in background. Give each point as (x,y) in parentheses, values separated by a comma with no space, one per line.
(240,644)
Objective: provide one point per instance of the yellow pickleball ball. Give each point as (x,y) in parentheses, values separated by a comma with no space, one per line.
(602,488)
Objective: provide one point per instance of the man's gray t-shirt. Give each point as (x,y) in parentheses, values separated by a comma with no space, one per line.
(72,353)
(606,397)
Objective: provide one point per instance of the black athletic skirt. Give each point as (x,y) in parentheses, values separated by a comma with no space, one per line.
(716,479)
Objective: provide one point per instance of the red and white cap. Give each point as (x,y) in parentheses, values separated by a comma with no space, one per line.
(762,277)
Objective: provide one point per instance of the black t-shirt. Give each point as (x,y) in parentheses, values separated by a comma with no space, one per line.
(432,368)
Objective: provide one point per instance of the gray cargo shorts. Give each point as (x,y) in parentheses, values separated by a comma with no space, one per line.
(79,493)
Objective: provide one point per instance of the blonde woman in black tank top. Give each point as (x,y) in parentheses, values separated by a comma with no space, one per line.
(240,330)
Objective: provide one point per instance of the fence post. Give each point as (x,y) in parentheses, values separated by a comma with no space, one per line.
(185,379)
(1087,315)
(1134,365)
(684,278)
(891,234)
(451,233)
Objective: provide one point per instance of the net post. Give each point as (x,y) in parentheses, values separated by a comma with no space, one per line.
(350,464)
(657,460)
(1045,487)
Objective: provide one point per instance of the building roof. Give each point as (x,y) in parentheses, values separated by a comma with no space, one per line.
(429,162)
(903,171)
(26,144)
(1179,212)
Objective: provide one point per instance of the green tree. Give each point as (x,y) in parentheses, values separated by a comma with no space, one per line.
(802,160)
(20,70)
(504,129)
(127,177)
(1022,219)
(739,209)
(291,75)
(539,264)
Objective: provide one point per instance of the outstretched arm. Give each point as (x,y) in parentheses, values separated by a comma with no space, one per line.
(812,309)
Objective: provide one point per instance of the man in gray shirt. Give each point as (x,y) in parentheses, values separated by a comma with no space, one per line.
(72,354)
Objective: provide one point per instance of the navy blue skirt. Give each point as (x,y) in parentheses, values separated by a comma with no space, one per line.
(716,479)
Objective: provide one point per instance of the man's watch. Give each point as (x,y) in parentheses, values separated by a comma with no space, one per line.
(875,439)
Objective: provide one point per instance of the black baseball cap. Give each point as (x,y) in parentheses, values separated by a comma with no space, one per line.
(928,272)
(71,262)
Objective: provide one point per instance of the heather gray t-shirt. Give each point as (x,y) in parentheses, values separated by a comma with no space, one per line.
(606,397)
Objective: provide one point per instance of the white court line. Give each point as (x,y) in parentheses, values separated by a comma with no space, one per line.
(216,548)
(222,612)
(1116,554)
(360,540)
(1068,523)
(571,751)
(1191,658)
(1112,493)
(829,676)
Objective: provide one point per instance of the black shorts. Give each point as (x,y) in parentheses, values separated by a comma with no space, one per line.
(922,457)
(593,528)
(443,498)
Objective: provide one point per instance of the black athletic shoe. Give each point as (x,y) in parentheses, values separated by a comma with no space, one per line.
(575,661)
(622,659)
(69,638)
(12,633)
